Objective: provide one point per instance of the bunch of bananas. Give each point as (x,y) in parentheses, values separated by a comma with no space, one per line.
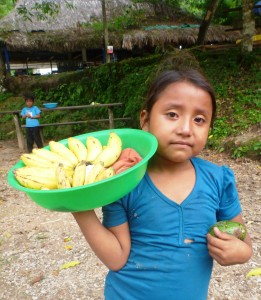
(64,167)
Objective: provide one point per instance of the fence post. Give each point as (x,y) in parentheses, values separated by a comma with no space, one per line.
(19,132)
(111,119)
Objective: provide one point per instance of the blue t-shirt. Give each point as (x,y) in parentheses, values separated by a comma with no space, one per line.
(34,110)
(161,265)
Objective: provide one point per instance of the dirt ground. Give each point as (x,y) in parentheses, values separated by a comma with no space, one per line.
(36,243)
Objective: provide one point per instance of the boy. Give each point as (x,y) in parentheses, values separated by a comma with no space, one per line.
(31,114)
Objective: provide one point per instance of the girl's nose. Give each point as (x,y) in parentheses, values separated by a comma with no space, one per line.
(184,127)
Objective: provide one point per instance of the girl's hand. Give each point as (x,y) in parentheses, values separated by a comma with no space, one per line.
(227,249)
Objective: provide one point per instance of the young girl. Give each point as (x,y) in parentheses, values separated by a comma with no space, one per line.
(155,240)
(31,113)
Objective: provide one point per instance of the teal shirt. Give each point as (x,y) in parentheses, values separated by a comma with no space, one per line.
(34,110)
(161,265)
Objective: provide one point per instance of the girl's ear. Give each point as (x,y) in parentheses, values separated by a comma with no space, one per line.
(144,120)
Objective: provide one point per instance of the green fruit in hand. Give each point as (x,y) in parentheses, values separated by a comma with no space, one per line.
(234,228)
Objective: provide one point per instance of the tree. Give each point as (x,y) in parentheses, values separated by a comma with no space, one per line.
(248,26)
(105,28)
(2,68)
(206,22)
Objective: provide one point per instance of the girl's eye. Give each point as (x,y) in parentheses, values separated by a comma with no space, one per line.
(199,120)
(172,114)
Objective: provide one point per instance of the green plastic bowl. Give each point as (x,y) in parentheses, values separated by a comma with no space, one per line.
(101,193)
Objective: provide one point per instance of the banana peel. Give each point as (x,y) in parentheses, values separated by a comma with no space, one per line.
(254,272)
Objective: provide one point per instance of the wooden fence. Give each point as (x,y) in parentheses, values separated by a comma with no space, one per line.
(19,127)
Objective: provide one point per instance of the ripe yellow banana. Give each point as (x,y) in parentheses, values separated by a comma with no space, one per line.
(53,157)
(30,159)
(37,183)
(79,174)
(63,151)
(78,148)
(114,140)
(35,172)
(93,173)
(109,155)
(105,173)
(63,180)
(94,147)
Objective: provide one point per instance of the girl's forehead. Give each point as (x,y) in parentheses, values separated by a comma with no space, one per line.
(184,94)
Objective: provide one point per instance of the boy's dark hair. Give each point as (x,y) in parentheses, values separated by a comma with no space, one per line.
(168,77)
(28,96)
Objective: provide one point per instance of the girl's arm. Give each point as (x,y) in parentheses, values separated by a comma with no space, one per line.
(35,117)
(227,249)
(112,246)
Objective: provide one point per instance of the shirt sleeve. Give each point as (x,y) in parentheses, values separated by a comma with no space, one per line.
(37,110)
(114,214)
(229,204)
(23,112)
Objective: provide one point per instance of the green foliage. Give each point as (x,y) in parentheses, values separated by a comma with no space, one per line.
(4,96)
(251,149)
(129,18)
(5,7)
(41,10)
(225,17)
(237,89)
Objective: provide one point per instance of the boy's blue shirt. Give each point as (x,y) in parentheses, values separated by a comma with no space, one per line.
(161,265)
(28,121)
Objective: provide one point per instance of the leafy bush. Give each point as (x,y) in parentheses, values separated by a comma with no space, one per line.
(237,88)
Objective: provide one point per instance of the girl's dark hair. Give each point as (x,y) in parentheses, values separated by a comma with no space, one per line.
(168,77)
(29,96)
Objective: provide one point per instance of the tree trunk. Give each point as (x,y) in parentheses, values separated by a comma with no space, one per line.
(2,72)
(248,26)
(105,27)
(206,22)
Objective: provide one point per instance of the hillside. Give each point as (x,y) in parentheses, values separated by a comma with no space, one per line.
(236,82)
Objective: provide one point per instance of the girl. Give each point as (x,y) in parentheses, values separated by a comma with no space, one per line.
(155,240)
(31,113)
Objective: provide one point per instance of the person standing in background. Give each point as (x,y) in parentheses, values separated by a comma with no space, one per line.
(31,113)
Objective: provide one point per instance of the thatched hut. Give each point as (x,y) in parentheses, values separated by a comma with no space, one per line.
(66,36)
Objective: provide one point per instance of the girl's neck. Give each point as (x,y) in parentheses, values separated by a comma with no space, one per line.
(158,164)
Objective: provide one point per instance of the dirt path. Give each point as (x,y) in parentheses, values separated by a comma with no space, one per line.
(35,243)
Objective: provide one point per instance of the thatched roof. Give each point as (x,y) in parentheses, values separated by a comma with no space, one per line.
(67,18)
(186,36)
(75,39)
(65,33)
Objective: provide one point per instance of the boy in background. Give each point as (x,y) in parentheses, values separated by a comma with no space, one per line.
(31,114)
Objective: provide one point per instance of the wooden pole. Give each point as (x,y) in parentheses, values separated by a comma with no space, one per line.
(105,27)
(111,119)
(19,132)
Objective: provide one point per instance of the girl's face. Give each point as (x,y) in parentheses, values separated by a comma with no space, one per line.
(180,119)
(29,102)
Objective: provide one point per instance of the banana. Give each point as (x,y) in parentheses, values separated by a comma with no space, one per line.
(63,151)
(78,148)
(109,155)
(114,140)
(105,173)
(30,159)
(93,173)
(94,147)
(79,174)
(63,180)
(53,157)
(37,183)
(35,172)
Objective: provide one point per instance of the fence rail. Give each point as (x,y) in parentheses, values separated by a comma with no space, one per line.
(19,127)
